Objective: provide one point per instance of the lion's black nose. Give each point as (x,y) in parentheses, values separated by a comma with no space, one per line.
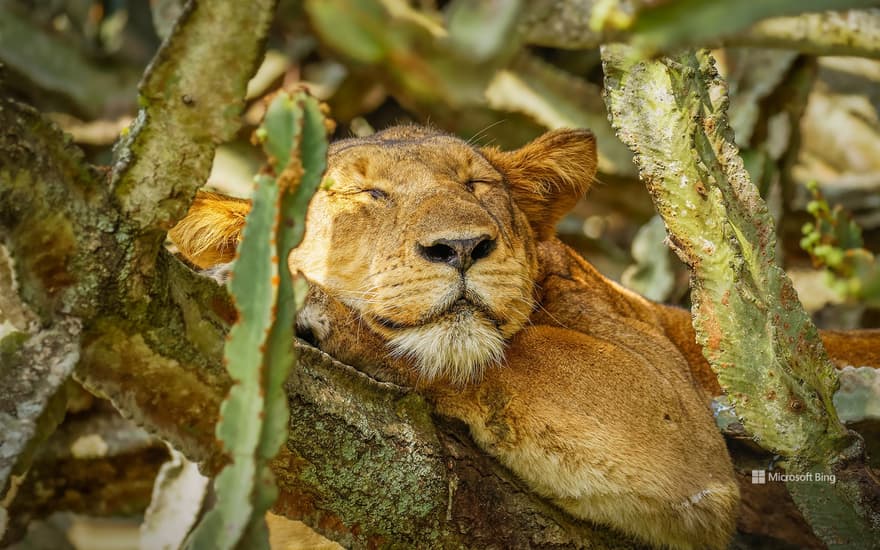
(459,253)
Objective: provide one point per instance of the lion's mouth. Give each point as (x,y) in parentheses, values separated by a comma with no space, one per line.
(464,306)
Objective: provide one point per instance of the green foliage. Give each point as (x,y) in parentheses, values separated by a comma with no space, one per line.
(258,351)
(483,30)
(467,76)
(834,242)
(371,33)
(59,69)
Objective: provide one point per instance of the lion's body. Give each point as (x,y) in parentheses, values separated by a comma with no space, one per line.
(435,264)
(596,409)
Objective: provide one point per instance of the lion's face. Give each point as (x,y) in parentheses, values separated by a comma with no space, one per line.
(422,238)
(431,242)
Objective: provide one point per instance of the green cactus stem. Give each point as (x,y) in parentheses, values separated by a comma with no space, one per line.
(672,112)
(259,349)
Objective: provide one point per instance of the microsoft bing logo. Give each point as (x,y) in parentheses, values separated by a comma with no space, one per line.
(761,477)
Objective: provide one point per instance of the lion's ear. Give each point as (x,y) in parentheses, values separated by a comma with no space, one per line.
(210,232)
(549,175)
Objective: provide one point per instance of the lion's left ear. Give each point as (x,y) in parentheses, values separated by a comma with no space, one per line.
(548,175)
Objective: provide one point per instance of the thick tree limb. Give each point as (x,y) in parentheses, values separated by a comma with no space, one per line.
(85,253)
(84,256)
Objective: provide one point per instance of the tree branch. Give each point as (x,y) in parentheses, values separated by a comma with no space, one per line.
(191,95)
(855,32)
(569,24)
(34,368)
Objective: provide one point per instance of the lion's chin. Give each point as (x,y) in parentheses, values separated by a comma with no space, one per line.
(456,348)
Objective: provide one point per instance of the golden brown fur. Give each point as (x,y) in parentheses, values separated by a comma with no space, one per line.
(435,264)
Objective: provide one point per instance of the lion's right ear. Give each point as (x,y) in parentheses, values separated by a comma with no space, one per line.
(211,230)
(548,175)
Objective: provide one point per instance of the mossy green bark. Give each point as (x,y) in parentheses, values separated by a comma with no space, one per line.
(87,256)
(191,97)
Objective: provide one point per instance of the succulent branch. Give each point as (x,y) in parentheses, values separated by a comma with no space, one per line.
(753,330)
(854,32)
(258,351)
(91,286)
(191,99)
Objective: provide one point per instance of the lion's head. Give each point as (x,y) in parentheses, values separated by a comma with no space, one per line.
(429,240)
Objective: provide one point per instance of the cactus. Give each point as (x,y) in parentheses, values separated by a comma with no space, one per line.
(753,330)
(259,349)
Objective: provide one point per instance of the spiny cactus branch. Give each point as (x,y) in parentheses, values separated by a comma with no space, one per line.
(754,331)
(258,351)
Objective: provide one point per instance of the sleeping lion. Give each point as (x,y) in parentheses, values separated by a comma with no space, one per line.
(435,264)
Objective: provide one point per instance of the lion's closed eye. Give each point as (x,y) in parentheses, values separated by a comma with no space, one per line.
(371,192)
(377,194)
(473,183)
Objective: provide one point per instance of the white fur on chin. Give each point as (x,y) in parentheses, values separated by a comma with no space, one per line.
(457,348)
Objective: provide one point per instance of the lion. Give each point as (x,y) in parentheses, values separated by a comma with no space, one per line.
(434,264)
